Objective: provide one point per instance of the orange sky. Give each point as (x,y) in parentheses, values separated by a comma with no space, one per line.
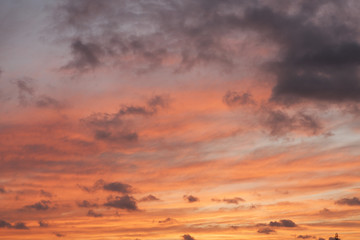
(170,120)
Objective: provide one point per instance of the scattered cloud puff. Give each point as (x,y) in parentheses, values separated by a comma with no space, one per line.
(124,202)
(349,201)
(187,237)
(305,236)
(86,204)
(234,200)
(43,205)
(168,221)
(281,123)
(86,56)
(118,187)
(96,186)
(110,127)
(43,224)
(45,194)
(59,234)
(283,223)
(266,230)
(18,225)
(92,213)
(48,102)
(191,198)
(149,198)
(233,99)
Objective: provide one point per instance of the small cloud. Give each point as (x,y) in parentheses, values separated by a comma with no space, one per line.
(48,102)
(97,185)
(168,221)
(191,198)
(125,202)
(91,213)
(25,90)
(4,224)
(281,123)
(325,211)
(305,236)
(266,230)
(20,225)
(283,223)
(39,206)
(349,201)
(2,190)
(45,194)
(235,200)
(116,137)
(43,224)
(86,204)
(233,98)
(187,237)
(118,187)
(58,234)
(86,56)
(149,198)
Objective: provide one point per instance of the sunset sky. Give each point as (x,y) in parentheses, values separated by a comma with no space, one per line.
(179,119)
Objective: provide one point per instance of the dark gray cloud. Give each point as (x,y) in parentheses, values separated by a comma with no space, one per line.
(318,49)
(125,202)
(118,187)
(4,224)
(2,190)
(91,213)
(43,205)
(191,198)
(283,223)
(86,56)
(149,198)
(18,225)
(281,123)
(233,98)
(111,186)
(349,201)
(266,230)
(191,26)
(43,224)
(188,237)
(86,204)
(305,236)
(111,127)
(318,61)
